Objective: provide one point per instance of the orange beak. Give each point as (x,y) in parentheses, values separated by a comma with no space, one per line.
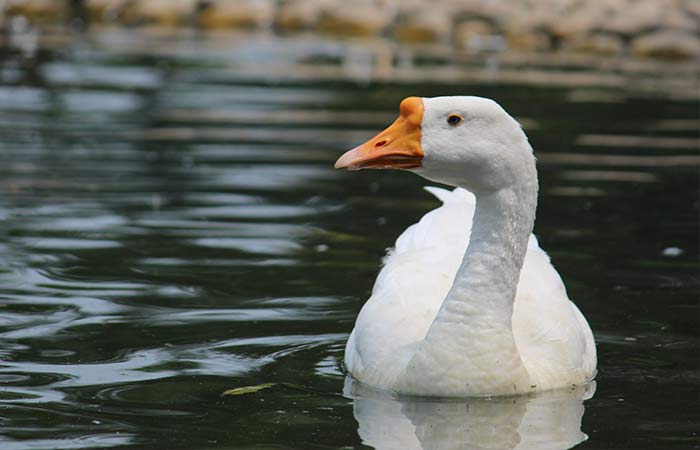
(397,147)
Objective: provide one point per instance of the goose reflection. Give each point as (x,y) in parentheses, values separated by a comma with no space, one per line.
(543,421)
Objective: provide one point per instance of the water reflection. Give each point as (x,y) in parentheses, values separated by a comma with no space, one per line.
(548,420)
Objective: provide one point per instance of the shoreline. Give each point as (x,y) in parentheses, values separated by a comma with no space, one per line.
(665,30)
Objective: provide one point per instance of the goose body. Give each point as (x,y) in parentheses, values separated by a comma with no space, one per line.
(467,303)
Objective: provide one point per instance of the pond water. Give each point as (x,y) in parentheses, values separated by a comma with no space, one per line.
(172,228)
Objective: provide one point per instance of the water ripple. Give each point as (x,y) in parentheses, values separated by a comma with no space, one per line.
(97,440)
(172,228)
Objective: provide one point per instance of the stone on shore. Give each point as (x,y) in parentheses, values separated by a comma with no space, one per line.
(423,26)
(476,35)
(37,11)
(353,19)
(691,7)
(296,15)
(629,18)
(104,10)
(165,13)
(640,28)
(597,43)
(529,40)
(233,14)
(667,44)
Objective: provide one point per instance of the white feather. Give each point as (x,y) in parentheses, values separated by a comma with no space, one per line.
(553,338)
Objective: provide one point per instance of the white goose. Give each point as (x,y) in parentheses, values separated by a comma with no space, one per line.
(467,304)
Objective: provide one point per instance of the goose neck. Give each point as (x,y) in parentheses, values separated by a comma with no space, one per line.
(488,275)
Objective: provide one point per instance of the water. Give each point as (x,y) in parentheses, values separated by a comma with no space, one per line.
(172,228)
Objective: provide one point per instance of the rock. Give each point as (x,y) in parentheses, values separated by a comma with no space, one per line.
(528,40)
(648,28)
(493,10)
(38,11)
(104,10)
(667,44)
(422,26)
(297,15)
(532,30)
(236,14)
(167,13)
(353,19)
(691,7)
(477,35)
(678,19)
(601,44)
(574,22)
(632,18)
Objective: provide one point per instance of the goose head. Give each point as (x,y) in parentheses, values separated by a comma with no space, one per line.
(463,141)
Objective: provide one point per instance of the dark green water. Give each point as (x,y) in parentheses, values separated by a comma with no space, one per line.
(172,228)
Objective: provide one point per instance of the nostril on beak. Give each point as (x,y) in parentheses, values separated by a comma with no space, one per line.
(379,144)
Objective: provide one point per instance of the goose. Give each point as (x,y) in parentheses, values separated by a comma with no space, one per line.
(467,304)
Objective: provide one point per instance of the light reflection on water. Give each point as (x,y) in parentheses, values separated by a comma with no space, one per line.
(172,228)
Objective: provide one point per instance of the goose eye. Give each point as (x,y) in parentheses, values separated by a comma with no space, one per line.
(454,119)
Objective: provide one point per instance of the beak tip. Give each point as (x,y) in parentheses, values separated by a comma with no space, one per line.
(346,160)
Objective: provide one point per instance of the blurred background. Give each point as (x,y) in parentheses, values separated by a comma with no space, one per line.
(172,227)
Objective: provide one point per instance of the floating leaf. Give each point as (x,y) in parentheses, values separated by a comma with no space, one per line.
(247,389)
